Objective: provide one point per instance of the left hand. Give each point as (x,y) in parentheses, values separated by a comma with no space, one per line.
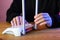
(43,18)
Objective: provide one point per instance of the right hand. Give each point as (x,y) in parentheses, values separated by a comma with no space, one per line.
(42,19)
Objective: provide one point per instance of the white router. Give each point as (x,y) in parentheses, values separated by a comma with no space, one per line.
(22,29)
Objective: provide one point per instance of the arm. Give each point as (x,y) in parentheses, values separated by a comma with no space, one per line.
(14,10)
(59,5)
(58,14)
(56,17)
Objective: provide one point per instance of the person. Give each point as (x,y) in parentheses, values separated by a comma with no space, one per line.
(48,12)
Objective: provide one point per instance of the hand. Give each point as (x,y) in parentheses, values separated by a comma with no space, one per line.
(17,21)
(43,18)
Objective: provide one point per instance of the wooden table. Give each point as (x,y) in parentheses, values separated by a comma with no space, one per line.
(47,34)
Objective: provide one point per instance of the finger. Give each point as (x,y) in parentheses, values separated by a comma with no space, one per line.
(17,21)
(45,15)
(47,19)
(39,21)
(14,20)
(12,23)
(41,17)
(36,16)
(41,14)
(43,23)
